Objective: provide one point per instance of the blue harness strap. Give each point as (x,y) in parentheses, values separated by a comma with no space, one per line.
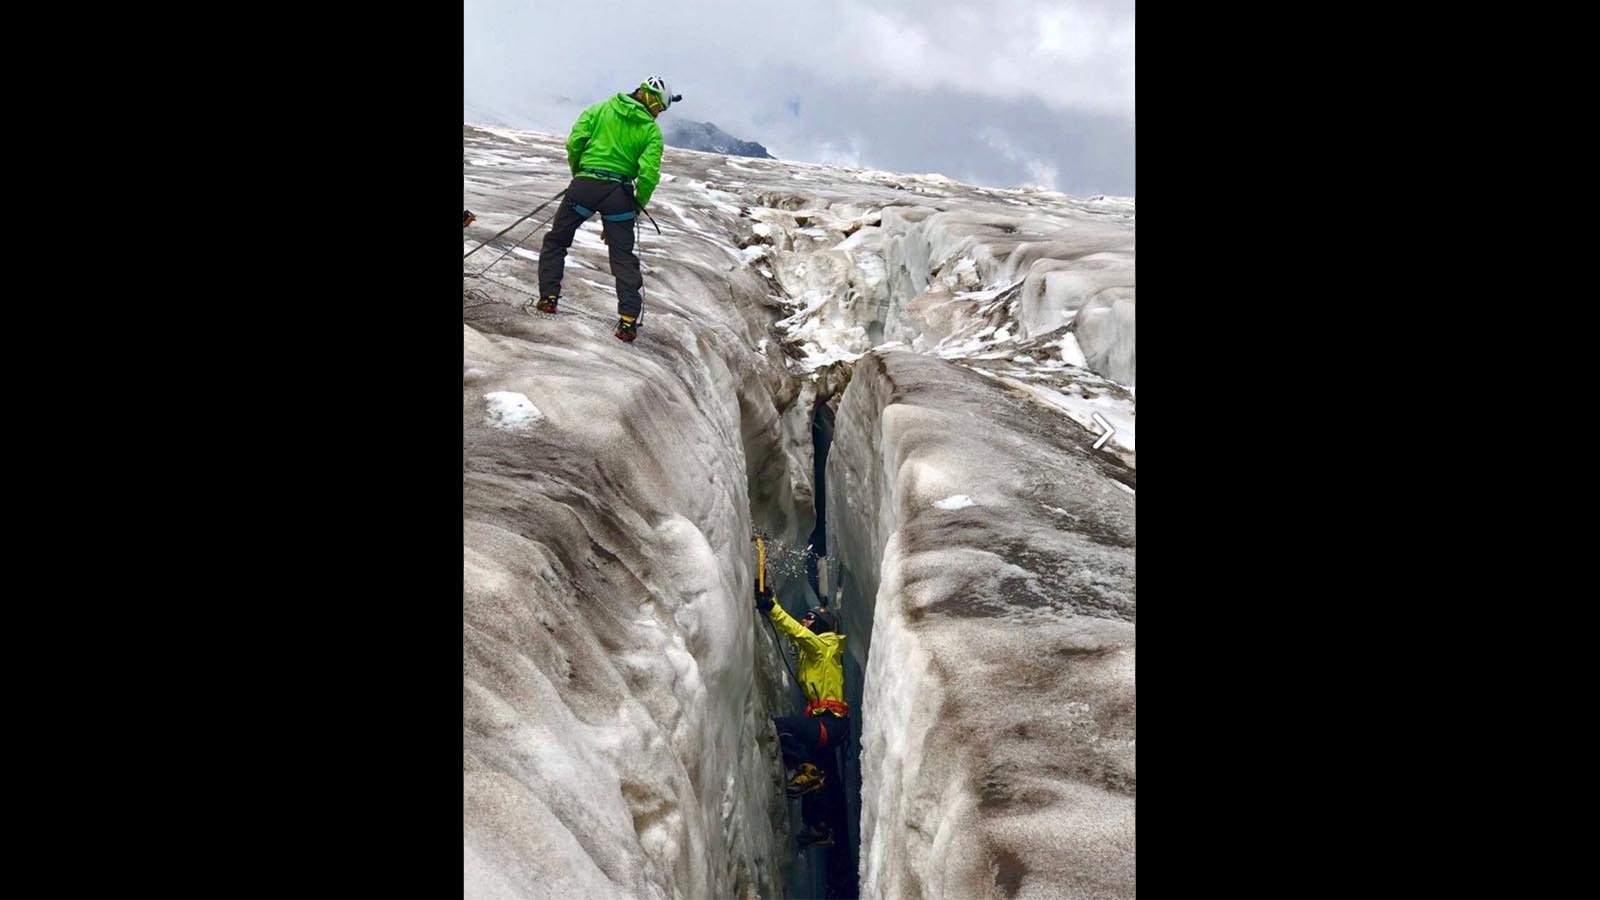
(586,212)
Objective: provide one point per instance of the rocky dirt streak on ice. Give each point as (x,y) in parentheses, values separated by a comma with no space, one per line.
(998,749)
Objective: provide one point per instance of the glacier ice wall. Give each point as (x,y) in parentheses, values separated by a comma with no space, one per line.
(994,548)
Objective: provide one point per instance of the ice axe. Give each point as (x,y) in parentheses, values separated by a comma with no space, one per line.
(761,585)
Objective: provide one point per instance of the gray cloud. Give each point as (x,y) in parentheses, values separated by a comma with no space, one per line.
(1016,92)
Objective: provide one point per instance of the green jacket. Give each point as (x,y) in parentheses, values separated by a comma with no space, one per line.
(618,135)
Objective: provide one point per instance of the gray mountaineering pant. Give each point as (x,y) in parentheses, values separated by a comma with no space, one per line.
(613,200)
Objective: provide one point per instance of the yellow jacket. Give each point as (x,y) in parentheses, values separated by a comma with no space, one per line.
(821,664)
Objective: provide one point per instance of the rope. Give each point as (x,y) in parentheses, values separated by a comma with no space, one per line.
(514,224)
(565,306)
(761,585)
(480,295)
(530,234)
(781,655)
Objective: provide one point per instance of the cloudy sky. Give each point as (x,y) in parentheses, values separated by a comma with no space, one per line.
(1003,93)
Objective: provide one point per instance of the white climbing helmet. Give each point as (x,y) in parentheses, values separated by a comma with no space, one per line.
(657,85)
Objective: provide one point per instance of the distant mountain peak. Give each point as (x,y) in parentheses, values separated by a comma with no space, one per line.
(706,137)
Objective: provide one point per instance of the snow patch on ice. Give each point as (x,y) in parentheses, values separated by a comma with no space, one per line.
(1071,353)
(510,410)
(958,501)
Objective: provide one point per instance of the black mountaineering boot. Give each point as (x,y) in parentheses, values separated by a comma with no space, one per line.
(815,836)
(806,780)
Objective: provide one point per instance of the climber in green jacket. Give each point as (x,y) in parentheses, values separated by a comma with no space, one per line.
(614,146)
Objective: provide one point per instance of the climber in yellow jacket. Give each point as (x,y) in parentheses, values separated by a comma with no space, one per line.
(826,722)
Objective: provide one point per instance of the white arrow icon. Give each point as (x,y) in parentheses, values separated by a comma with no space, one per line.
(1109,431)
